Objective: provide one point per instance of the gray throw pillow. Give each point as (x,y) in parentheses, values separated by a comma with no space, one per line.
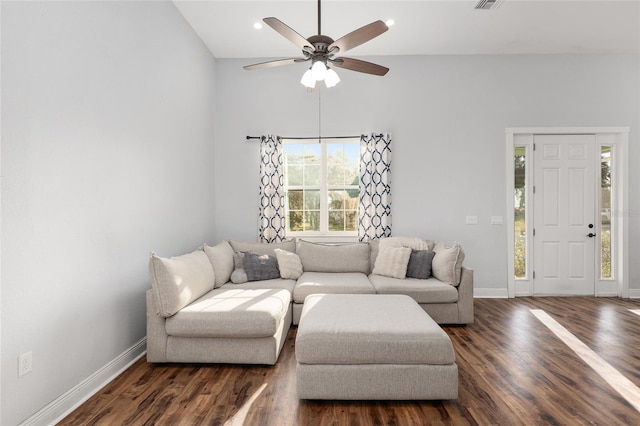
(420,264)
(260,267)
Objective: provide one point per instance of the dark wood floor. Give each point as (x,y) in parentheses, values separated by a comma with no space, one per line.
(512,369)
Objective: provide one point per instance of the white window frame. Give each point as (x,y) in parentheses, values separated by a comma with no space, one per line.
(324,234)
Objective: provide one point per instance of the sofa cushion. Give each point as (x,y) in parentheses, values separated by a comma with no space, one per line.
(353,257)
(264,248)
(221,258)
(233,313)
(331,282)
(289,264)
(447,263)
(420,264)
(178,281)
(260,267)
(357,329)
(422,291)
(392,261)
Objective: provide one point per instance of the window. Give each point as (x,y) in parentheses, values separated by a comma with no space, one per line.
(321,181)
(519,212)
(606,270)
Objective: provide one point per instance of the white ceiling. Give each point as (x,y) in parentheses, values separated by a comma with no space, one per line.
(422,27)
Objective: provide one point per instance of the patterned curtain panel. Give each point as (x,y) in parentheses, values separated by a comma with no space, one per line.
(374,211)
(272,222)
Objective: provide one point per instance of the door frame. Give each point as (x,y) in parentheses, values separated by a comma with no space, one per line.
(618,137)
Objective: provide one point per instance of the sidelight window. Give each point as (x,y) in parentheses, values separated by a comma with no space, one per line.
(519,212)
(606,222)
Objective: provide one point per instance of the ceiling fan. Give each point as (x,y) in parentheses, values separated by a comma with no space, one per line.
(322,50)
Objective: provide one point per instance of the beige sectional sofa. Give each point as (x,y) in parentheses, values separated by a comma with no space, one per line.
(223,304)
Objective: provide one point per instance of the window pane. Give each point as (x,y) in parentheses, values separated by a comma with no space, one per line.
(336,200)
(606,270)
(335,175)
(311,175)
(351,220)
(312,200)
(293,175)
(519,216)
(295,198)
(294,220)
(312,153)
(352,153)
(312,221)
(352,175)
(336,221)
(335,153)
(293,153)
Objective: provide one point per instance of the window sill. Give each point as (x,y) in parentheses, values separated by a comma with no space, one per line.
(324,238)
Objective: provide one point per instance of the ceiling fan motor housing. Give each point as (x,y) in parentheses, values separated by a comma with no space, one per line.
(320,44)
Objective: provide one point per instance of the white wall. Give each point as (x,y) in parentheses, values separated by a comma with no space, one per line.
(107,146)
(447,115)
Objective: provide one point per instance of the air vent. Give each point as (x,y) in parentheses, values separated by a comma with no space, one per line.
(488,4)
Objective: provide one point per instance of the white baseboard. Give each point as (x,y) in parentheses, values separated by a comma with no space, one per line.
(62,406)
(490,293)
(634,293)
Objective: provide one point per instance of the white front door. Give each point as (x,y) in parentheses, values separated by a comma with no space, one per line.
(564,215)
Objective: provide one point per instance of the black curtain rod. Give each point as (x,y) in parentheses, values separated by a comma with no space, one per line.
(313,137)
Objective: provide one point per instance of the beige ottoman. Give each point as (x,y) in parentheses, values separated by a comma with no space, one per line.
(366,346)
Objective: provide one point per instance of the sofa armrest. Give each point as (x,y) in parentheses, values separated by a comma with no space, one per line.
(156,332)
(465,296)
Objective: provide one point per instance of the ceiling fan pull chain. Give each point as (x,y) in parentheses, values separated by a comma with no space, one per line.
(319,115)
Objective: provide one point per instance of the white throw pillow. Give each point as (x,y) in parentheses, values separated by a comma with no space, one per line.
(392,261)
(178,281)
(289,264)
(447,263)
(239,275)
(221,258)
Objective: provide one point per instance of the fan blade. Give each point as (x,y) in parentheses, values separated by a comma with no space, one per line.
(359,36)
(289,34)
(360,66)
(276,63)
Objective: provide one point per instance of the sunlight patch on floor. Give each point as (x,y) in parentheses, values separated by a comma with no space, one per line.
(239,418)
(626,388)
(635,311)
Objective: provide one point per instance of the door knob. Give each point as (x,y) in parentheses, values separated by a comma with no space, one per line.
(590,225)
(591,235)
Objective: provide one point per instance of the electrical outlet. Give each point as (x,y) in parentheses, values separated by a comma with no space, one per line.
(471,220)
(25,363)
(496,220)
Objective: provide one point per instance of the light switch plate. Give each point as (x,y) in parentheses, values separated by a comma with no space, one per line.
(472,220)
(496,220)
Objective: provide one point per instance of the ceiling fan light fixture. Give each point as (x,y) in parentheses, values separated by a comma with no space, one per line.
(319,70)
(308,80)
(321,49)
(331,78)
